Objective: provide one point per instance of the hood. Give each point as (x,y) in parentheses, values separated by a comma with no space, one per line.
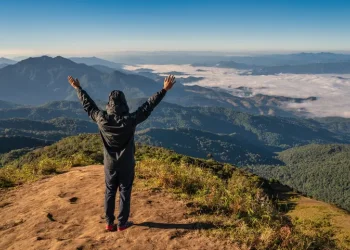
(117,103)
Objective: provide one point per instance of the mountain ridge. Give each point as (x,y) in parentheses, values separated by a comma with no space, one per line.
(44,78)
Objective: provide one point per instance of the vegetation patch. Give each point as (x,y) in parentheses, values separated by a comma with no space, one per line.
(321,171)
(234,202)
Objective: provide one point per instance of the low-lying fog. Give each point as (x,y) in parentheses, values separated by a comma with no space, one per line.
(333,91)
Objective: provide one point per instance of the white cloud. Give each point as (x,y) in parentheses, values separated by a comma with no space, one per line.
(333,91)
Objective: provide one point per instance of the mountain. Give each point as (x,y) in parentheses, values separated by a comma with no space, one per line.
(225,64)
(104,69)
(52,130)
(225,135)
(43,113)
(319,171)
(91,61)
(276,133)
(8,143)
(259,104)
(8,105)
(45,80)
(302,63)
(339,125)
(246,62)
(60,105)
(196,143)
(232,64)
(6,61)
(313,68)
(212,58)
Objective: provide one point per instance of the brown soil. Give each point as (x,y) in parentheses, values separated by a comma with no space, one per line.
(66,212)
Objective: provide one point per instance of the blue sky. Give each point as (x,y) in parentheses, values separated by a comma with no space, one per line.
(92,27)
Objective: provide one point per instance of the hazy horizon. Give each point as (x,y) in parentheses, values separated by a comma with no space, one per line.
(109,56)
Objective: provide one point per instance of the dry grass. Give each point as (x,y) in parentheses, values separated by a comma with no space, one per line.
(238,207)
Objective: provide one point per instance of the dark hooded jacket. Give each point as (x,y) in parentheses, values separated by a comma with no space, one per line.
(117,126)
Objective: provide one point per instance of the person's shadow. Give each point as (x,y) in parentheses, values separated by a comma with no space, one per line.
(189,226)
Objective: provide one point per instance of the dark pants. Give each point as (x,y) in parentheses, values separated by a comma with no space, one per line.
(122,178)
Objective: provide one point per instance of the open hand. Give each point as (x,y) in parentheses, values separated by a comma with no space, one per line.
(169,82)
(74,82)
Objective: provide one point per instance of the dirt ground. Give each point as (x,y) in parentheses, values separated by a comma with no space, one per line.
(66,212)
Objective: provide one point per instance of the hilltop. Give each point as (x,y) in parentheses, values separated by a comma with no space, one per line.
(179,201)
(79,224)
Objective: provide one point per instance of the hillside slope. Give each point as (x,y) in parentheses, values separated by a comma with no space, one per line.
(226,148)
(275,133)
(320,171)
(161,221)
(66,212)
(179,202)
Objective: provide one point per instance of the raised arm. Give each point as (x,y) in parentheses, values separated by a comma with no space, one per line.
(143,112)
(88,104)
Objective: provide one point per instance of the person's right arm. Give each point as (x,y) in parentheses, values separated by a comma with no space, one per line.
(143,112)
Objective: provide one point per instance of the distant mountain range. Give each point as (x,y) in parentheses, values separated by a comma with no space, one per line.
(274,131)
(197,143)
(336,124)
(92,61)
(251,62)
(3,65)
(207,129)
(8,105)
(312,68)
(51,130)
(302,63)
(44,79)
(19,133)
(8,143)
(6,61)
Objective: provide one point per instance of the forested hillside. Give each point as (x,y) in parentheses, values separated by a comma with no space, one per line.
(52,130)
(320,171)
(8,143)
(275,132)
(226,148)
(227,135)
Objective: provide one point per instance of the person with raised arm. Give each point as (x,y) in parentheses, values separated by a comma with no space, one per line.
(117,128)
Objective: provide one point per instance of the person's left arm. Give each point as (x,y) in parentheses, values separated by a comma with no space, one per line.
(88,104)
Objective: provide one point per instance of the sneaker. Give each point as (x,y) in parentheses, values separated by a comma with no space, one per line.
(125,226)
(111,228)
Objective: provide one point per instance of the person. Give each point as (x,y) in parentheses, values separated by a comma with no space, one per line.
(117,128)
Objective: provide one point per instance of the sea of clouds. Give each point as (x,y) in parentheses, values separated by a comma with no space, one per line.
(332,91)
